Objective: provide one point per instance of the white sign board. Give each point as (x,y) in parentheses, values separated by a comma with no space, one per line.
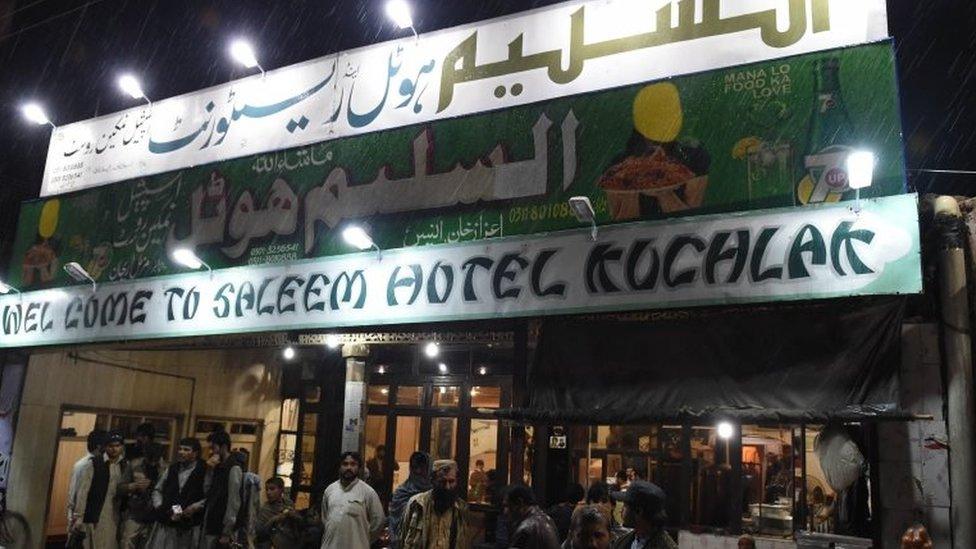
(774,255)
(566,49)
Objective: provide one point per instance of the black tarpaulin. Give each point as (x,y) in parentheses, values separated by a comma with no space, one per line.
(817,363)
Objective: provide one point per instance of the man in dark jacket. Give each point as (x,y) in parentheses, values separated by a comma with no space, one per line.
(562,512)
(644,505)
(224,504)
(179,497)
(533,529)
(417,482)
(138,479)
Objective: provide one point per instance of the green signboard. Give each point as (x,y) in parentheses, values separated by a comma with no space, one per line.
(770,134)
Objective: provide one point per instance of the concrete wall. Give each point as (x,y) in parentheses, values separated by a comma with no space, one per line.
(914,478)
(240,384)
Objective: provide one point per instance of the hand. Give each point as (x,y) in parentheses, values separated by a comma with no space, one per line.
(223,540)
(76,524)
(213,461)
(140,485)
(193,509)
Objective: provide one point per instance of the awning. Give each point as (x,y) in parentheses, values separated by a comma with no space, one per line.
(833,361)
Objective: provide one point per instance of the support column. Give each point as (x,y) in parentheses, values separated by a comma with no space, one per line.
(954,308)
(354,409)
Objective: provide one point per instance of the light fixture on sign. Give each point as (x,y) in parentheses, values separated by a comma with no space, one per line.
(725,430)
(583,210)
(186,257)
(860,172)
(357,237)
(288,353)
(442,368)
(399,12)
(332,341)
(79,274)
(35,113)
(7,288)
(482,370)
(432,350)
(131,87)
(243,53)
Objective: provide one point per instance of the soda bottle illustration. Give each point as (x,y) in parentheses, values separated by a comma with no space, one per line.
(829,139)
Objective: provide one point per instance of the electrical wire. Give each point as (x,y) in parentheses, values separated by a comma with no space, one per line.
(86,5)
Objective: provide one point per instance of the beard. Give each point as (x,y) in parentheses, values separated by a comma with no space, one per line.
(347,475)
(443,499)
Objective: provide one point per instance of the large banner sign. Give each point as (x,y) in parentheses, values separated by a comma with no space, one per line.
(765,135)
(788,254)
(570,48)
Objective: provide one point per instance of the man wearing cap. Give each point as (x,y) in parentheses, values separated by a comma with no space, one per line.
(437,518)
(96,506)
(644,512)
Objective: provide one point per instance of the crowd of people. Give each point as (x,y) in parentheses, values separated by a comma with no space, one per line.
(123,497)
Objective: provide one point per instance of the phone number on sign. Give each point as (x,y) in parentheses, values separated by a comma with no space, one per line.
(557,210)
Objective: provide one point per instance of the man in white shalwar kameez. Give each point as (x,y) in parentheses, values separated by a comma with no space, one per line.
(351,511)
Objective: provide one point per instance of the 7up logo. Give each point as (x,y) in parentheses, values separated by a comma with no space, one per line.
(826,179)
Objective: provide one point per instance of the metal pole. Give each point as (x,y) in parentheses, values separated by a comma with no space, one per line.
(954,305)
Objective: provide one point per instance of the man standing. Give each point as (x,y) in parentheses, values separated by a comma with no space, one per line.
(644,504)
(135,490)
(352,514)
(96,505)
(96,447)
(224,505)
(145,433)
(477,482)
(377,473)
(278,525)
(417,482)
(533,529)
(179,498)
(438,518)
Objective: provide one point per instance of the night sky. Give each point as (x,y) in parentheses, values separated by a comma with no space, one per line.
(68,53)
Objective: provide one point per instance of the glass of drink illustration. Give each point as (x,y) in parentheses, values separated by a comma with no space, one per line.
(770,168)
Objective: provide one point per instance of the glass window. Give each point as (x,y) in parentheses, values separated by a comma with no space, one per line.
(308,459)
(443,438)
(447,397)
(244,429)
(310,424)
(767,475)
(77,424)
(126,425)
(821,499)
(407,442)
(378,394)
(286,456)
(711,478)
(410,396)
(289,414)
(303,501)
(486,397)
(376,444)
(483,457)
(205,427)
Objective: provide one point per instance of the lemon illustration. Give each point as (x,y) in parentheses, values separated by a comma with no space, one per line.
(49,218)
(744,146)
(657,112)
